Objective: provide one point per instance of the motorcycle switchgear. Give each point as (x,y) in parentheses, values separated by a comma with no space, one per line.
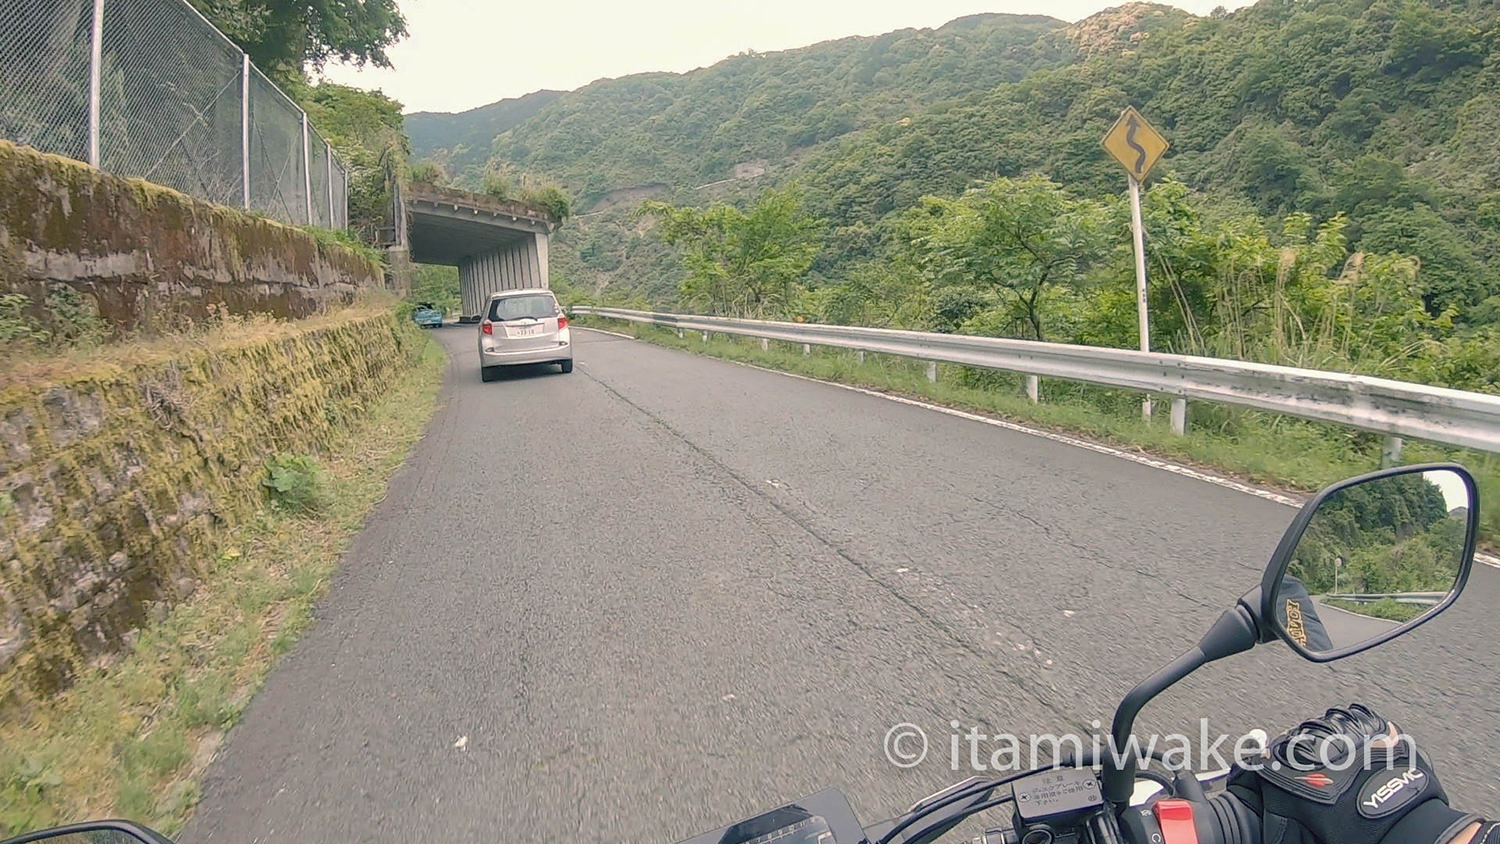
(1349,777)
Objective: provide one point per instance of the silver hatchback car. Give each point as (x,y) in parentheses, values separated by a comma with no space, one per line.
(523,326)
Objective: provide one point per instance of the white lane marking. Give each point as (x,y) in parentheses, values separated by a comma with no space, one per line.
(1153,462)
(602,331)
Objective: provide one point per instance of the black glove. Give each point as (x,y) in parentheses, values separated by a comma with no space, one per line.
(1331,781)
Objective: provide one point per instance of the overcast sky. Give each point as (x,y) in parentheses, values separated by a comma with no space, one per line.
(467,53)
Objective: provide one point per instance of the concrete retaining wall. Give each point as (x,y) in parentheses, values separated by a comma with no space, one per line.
(116,477)
(146,253)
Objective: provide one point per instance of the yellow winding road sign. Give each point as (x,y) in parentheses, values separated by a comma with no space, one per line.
(1135,143)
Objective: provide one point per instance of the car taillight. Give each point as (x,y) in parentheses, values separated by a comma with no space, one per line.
(562,322)
(487,327)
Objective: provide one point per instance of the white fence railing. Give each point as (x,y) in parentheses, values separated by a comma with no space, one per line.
(1395,408)
(150,89)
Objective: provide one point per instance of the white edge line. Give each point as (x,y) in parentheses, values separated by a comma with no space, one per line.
(1152,462)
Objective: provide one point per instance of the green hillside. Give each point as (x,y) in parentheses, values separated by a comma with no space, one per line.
(462,141)
(688,129)
(1386,111)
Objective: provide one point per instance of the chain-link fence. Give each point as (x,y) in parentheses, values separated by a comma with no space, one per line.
(148,88)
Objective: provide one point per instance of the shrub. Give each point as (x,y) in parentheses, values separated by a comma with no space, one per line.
(16,326)
(296,483)
(552,198)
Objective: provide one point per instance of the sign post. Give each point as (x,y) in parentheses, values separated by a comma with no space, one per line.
(1137,146)
(1142,304)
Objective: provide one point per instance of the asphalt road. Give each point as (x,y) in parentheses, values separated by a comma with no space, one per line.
(664,592)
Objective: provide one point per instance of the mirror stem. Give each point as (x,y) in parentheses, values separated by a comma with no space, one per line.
(1234,632)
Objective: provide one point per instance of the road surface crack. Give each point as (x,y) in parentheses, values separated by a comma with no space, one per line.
(916,609)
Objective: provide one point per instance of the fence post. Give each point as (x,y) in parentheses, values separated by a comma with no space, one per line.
(96,70)
(306,173)
(328,159)
(932,371)
(1390,455)
(1179,416)
(1033,389)
(245,127)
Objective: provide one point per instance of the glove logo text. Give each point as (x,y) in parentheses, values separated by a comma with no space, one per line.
(1382,795)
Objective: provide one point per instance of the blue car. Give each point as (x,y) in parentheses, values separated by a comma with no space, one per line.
(427,316)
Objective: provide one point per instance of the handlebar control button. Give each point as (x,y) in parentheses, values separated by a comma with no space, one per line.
(1176,819)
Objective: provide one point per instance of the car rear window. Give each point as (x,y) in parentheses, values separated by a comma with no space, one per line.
(533,306)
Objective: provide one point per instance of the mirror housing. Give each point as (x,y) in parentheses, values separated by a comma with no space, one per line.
(1280,589)
(1253,619)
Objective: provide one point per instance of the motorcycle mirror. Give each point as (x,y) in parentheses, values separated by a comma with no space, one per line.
(1371,558)
(94,832)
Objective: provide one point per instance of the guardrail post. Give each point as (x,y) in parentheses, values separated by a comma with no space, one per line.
(705,336)
(679,334)
(1390,455)
(861,355)
(1179,416)
(765,345)
(932,371)
(1033,389)
(806,349)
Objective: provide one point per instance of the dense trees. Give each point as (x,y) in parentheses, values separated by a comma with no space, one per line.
(741,263)
(1002,249)
(365,127)
(1027,258)
(1388,536)
(287,37)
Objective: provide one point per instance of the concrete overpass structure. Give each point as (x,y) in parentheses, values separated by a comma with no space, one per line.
(496,245)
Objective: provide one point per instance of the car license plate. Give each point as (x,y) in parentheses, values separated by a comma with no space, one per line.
(524,330)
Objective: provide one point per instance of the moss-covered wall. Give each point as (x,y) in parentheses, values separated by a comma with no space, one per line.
(114,479)
(143,251)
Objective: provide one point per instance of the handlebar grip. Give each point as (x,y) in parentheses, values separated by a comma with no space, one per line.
(1228,820)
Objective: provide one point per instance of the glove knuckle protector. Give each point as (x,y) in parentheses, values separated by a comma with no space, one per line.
(1350,776)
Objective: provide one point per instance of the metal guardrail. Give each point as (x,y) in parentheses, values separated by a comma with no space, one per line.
(1425,599)
(1395,408)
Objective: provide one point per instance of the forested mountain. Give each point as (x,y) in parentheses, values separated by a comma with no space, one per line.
(687,129)
(1382,116)
(1385,110)
(462,140)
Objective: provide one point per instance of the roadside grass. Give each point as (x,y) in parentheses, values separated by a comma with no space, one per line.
(134,740)
(1264,448)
